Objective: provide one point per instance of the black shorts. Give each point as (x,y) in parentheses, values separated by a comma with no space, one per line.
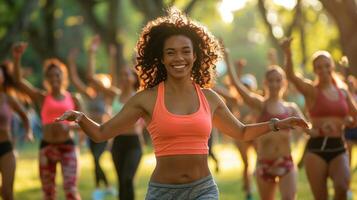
(5,147)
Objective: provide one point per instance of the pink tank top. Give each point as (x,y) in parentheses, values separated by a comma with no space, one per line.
(53,108)
(5,114)
(325,107)
(180,134)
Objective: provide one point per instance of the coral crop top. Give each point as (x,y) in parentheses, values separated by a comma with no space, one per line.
(53,108)
(325,107)
(174,134)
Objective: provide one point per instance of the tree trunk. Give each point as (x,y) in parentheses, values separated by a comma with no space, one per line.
(345,15)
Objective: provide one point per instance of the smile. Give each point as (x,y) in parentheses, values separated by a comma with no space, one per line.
(179,66)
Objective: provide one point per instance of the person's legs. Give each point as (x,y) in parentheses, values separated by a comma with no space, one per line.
(339,172)
(117,157)
(266,188)
(97,149)
(7,170)
(316,171)
(48,159)
(287,185)
(127,173)
(243,150)
(126,154)
(69,164)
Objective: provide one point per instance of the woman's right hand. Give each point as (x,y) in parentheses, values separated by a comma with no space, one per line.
(18,50)
(70,115)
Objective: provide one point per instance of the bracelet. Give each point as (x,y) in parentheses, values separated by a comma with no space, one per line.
(272,124)
(79,118)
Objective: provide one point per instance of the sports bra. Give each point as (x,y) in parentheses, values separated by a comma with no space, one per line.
(53,108)
(266,116)
(325,107)
(174,134)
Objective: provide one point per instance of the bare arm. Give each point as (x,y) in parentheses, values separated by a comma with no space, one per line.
(253,100)
(73,75)
(112,91)
(93,47)
(35,94)
(303,85)
(224,120)
(120,123)
(352,109)
(16,106)
(113,64)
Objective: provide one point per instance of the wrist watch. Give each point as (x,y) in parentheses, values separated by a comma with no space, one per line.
(272,124)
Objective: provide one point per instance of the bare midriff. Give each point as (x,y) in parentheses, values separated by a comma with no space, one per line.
(4,135)
(274,145)
(327,126)
(56,132)
(180,169)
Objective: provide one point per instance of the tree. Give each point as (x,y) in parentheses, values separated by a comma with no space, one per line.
(345,15)
(19,23)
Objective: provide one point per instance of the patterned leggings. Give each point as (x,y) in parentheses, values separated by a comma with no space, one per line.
(65,154)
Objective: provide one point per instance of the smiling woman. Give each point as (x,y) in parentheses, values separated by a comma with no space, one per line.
(176,63)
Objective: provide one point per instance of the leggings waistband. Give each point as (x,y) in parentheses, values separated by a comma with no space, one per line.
(45,144)
(186,185)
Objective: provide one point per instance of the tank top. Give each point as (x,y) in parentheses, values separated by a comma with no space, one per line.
(180,134)
(53,108)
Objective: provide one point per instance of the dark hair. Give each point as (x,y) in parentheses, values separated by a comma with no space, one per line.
(149,49)
(8,79)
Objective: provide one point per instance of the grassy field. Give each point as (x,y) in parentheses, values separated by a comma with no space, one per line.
(229,179)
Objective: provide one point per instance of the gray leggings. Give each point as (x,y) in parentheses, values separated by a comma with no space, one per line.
(203,189)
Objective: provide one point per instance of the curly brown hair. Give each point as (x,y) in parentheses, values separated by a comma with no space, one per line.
(149,49)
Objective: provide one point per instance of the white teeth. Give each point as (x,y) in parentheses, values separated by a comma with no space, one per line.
(179,66)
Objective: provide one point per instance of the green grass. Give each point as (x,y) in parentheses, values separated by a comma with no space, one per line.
(229,180)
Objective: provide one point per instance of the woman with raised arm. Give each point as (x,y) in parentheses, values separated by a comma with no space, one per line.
(275,166)
(57,145)
(99,95)
(176,61)
(7,156)
(330,108)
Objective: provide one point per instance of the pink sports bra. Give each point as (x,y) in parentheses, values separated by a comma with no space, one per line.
(266,116)
(180,134)
(325,107)
(53,108)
